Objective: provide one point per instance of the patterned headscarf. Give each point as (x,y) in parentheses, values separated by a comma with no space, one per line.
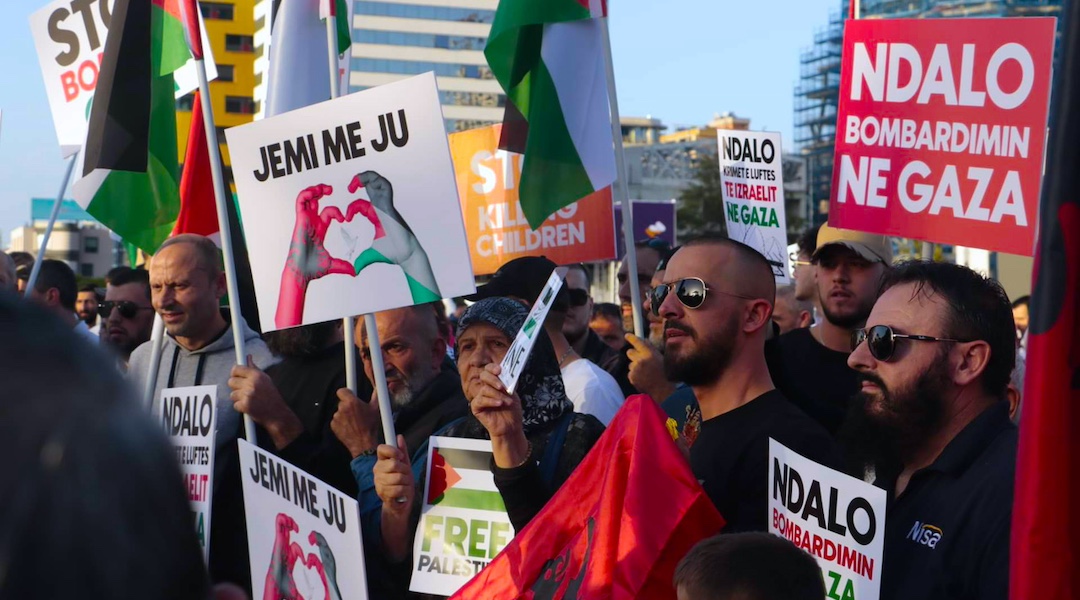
(543,397)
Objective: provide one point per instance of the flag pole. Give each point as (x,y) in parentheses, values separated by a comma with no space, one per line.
(189,11)
(157,337)
(30,283)
(620,188)
(348,324)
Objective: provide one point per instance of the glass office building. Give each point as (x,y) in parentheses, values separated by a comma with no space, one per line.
(394,39)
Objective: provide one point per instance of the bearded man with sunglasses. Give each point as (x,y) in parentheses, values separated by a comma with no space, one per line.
(716,304)
(810,365)
(127,316)
(931,420)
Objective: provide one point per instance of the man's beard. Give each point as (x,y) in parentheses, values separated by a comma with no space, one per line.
(411,387)
(708,362)
(301,342)
(907,418)
(849,321)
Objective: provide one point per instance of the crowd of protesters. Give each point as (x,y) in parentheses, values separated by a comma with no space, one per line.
(903,375)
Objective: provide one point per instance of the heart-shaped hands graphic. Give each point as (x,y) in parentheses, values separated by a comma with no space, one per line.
(393,243)
(287,559)
(308,258)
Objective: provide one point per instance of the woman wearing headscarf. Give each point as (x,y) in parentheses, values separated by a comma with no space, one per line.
(537,440)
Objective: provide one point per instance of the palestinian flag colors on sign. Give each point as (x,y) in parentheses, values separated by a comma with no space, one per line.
(462,479)
(548,55)
(129,178)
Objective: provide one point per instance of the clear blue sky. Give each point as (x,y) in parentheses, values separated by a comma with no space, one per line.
(678,61)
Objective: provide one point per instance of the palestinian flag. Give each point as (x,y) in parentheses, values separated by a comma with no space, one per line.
(129,162)
(548,55)
(339,11)
(462,479)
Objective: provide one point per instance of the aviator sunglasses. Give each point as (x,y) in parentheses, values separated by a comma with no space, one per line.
(881,340)
(690,291)
(127,309)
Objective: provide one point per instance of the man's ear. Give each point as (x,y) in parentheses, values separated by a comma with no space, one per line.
(438,352)
(220,287)
(973,359)
(52,296)
(805,319)
(758,315)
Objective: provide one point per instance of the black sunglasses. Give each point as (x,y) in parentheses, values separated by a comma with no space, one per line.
(690,291)
(881,340)
(127,309)
(578,297)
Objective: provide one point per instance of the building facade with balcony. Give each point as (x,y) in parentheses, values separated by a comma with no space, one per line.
(230,27)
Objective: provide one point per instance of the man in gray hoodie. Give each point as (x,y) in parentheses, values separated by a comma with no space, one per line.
(186,286)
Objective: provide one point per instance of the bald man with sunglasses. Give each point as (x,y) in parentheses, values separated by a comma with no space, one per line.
(716,303)
(931,421)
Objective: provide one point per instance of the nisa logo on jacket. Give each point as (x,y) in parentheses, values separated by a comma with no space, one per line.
(925,534)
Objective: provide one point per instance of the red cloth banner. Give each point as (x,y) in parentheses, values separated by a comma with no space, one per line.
(618,526)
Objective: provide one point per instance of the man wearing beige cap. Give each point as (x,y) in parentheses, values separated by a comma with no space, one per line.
(810,365)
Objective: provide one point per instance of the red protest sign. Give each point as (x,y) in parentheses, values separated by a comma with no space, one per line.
(941,127)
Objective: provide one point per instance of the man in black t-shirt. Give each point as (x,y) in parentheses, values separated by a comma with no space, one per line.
(716,302)
(810,365)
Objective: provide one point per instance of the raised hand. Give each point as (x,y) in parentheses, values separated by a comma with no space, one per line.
(647,369)
(356,423)
(501,414)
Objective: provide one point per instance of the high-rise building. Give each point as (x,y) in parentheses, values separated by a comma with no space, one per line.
(395,39)
(230,27)
(817,93)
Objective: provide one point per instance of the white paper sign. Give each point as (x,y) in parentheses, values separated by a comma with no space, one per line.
(303,535)
(463,523)
(518,354)
(350,206)
(189,415)
(752,184)
(70,41)
(838,519)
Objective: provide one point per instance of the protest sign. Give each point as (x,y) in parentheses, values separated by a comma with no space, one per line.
(189,415)
(941,129)
(752,185)
(70,41)
(302,177)
(518,354)
(653,220)
(299,531)
(838,519)
(463,523)
(487,179)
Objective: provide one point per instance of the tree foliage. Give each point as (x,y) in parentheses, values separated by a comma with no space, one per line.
(701,205)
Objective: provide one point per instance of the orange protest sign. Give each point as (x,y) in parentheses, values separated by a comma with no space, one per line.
(494,224)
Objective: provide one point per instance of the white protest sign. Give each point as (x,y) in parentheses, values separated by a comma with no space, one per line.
(350,206)
(189,415)
(838,519)
(752,184)
(518,354)
(70,39)
(463,523)
(300,530)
